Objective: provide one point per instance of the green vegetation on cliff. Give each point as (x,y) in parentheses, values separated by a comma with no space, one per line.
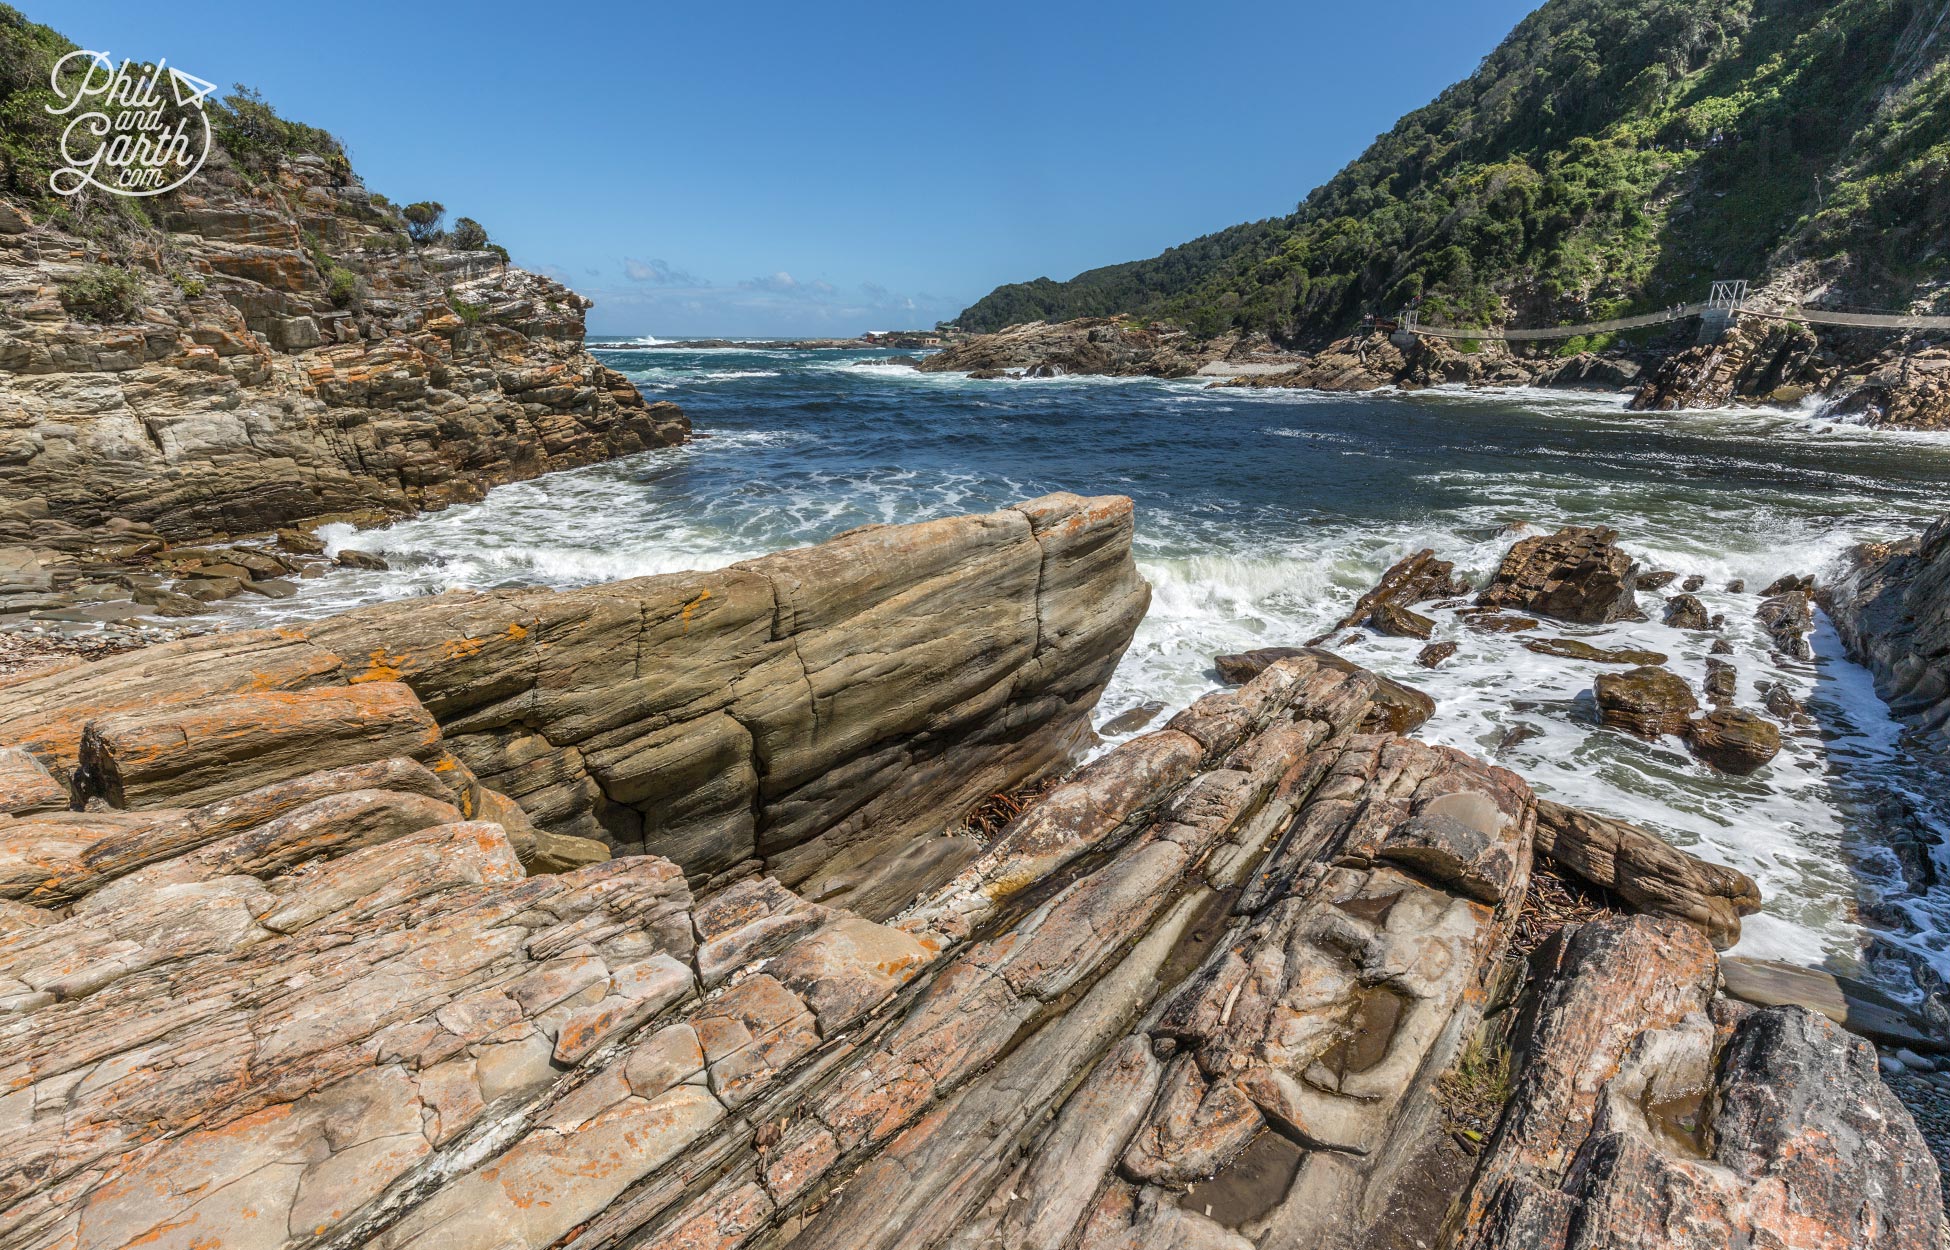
(1609,156)
(246,128)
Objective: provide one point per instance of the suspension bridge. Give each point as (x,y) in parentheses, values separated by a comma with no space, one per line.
(1726,301)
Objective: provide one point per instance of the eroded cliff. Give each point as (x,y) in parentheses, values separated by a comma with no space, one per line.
(275,349)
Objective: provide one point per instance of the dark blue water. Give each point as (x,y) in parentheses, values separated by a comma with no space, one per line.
(1262,514)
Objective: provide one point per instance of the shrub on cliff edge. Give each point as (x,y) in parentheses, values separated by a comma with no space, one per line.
(102,294)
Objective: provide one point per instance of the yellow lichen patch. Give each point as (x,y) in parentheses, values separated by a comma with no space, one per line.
(461,648)
(517,631)
(383,667)
(693,606)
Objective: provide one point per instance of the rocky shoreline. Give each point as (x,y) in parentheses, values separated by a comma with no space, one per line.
(666,913)
(1759,361)
(285,357)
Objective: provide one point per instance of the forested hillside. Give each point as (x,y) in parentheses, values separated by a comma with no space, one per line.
(1608,156)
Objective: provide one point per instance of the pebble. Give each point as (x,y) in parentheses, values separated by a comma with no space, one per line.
(1914,1062)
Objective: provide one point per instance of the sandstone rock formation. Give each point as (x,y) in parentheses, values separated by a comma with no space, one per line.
(1647,872)
(1694,1121)
(1893,613)
(1647,701)
(246,392)
(1757,359)
(286,966)
(1901,389)
(1415,578)
(790,710)
(1577,574)
(1093,345)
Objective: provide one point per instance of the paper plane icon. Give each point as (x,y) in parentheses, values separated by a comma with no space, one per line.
(189,89)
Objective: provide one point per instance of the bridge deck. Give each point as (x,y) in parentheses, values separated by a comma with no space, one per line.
(1816,316)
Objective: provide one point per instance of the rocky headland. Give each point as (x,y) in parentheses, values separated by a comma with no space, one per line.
(678,912)
(1853,375)
(266,348)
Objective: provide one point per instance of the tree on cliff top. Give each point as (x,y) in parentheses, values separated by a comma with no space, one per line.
(423,219)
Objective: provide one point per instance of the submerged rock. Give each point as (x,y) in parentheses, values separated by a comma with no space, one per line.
(352,558)
(1574,649)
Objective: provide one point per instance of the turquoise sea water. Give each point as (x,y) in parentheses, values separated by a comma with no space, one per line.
(1262,515)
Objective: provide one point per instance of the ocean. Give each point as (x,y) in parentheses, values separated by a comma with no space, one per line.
(1262,515)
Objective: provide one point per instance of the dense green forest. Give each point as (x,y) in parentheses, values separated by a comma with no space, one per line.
(1608,156)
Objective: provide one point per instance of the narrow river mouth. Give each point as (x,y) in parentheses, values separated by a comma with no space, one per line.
(1262,515)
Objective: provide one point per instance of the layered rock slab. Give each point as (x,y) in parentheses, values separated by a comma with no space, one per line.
(810,710)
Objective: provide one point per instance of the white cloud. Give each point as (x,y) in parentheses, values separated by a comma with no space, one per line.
(658,273)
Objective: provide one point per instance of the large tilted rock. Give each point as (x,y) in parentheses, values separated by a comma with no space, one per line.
(1416,577)
(1577,574)
(1398,708)
(810,710)
(1756,359)
(1650,1113)
(1893,613)
(1646,871)
(1204,992)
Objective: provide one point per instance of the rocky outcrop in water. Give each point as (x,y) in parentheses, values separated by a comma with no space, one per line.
(1093,345)
(1901,389)
(302,947)
(1892,611)
(1578,574)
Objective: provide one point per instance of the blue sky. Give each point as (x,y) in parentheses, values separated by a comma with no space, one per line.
(761,168)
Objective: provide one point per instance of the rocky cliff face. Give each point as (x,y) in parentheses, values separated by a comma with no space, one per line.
(283,354)
(282,963)
(1893,613)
